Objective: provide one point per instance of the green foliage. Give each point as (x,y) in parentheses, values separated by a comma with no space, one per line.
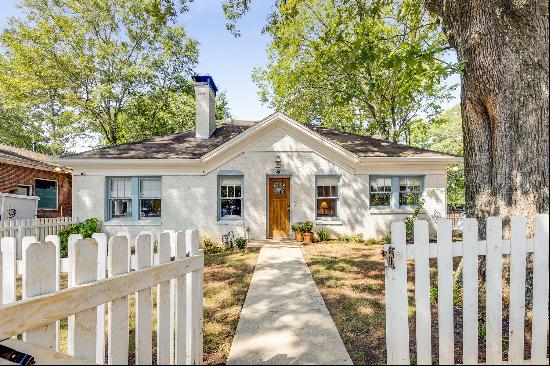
(409,221)
(210,246)
(353,238)
(85,228)
(296,227)
(240,242)
(444,133)
(307,227)
(117,70)
(368,67)
(323,234)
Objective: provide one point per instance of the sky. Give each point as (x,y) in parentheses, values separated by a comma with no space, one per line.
(229,60)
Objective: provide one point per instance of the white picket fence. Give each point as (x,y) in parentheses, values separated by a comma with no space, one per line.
(99,274)
(39,228)
(494,248)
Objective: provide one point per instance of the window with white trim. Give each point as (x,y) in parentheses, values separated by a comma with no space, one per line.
(395,191)
(230,200)
(327,197)
(46,190)
(134,198)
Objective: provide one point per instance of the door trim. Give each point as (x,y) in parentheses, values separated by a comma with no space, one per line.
(267,176)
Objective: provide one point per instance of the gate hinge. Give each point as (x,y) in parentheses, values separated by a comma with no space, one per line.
(389,256)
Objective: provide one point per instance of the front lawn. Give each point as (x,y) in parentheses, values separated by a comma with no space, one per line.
(350,277)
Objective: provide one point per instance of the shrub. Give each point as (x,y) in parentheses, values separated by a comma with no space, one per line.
(210,246)
(409,221)
(85,228)
(240,242)
(297,227)
(353,238)
(307,227)
(323,234)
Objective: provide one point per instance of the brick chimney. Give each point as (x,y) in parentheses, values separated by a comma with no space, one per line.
(205,99)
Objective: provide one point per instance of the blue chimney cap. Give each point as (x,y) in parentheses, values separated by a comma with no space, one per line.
(206,79)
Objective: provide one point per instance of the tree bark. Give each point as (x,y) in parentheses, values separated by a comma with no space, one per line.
(504,47)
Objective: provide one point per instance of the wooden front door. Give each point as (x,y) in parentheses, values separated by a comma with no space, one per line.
(279,208)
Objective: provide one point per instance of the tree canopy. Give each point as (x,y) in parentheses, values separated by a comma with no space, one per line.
(116,69)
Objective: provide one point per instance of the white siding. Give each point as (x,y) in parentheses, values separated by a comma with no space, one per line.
(190,201)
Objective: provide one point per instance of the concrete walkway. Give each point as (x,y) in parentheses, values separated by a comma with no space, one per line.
(284,318)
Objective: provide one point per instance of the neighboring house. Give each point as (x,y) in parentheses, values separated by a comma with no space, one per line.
(255,178)
(28,173)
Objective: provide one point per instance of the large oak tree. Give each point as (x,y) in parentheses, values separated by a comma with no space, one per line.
(503,45)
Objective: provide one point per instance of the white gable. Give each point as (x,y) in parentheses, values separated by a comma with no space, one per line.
(278,139)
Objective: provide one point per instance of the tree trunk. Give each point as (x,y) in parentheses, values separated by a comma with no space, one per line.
(504,47)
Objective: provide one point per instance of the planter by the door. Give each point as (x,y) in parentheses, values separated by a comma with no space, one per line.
(308,237)
(298,236)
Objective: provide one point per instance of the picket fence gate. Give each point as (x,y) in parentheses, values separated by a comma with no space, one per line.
(494,248)
(38,228)
(99,274)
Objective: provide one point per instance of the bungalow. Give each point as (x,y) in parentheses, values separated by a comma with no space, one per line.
(256,178)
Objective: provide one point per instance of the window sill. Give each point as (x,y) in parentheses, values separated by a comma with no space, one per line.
(329,222)
(231,222)
(133,223)
(391,211)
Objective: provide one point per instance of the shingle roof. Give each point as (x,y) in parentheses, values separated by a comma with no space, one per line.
(18,155)
(185,145)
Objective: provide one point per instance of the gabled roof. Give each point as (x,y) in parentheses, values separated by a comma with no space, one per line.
(185,145)
(18,156)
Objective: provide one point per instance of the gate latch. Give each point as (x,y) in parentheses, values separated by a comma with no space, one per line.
(389,256)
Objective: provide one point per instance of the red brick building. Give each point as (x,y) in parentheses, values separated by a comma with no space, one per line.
(30,173)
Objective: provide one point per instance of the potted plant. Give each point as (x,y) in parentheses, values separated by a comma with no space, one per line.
(307,232)
(297,229)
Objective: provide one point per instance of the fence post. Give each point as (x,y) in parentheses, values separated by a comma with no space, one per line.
(470,297)
(422,293)
(101,239)
(194,303)
(493,282)
(9,269)
(39,277)
(163,305)
(397,324)
(144,305)
(180,305)
(54,239)
(445,291)
(540,291)
(83,325)
(117,318)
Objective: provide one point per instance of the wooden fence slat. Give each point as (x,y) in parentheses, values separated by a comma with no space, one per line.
(54,239)
(517,289)
(163,305)
(445,291)
(9,269)
(194,303)
(82,326)
(39,277)
(180,305)
(470,293)
(101,240)
(117,318)
(540,291)
(72,239)
(397,325)
(144,305)
(493,283)
(422,293)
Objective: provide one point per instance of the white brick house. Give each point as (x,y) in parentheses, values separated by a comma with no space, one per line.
(256,178)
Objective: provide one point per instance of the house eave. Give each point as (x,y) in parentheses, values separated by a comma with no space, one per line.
(410,159)
(128,162)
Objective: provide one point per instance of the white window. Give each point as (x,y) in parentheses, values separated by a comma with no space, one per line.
(380,191)
(47,191)
(120,198)
(134,197)
(409,191)
(230,200)
(327,192)
(150,197)
(395,191)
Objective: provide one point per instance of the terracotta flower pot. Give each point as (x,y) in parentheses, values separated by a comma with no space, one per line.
(298,236)
(308,237)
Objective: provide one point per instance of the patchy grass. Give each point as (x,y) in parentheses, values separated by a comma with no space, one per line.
(227,277)
(350,277)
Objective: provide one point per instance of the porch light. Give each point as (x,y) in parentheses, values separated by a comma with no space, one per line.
(278,164)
